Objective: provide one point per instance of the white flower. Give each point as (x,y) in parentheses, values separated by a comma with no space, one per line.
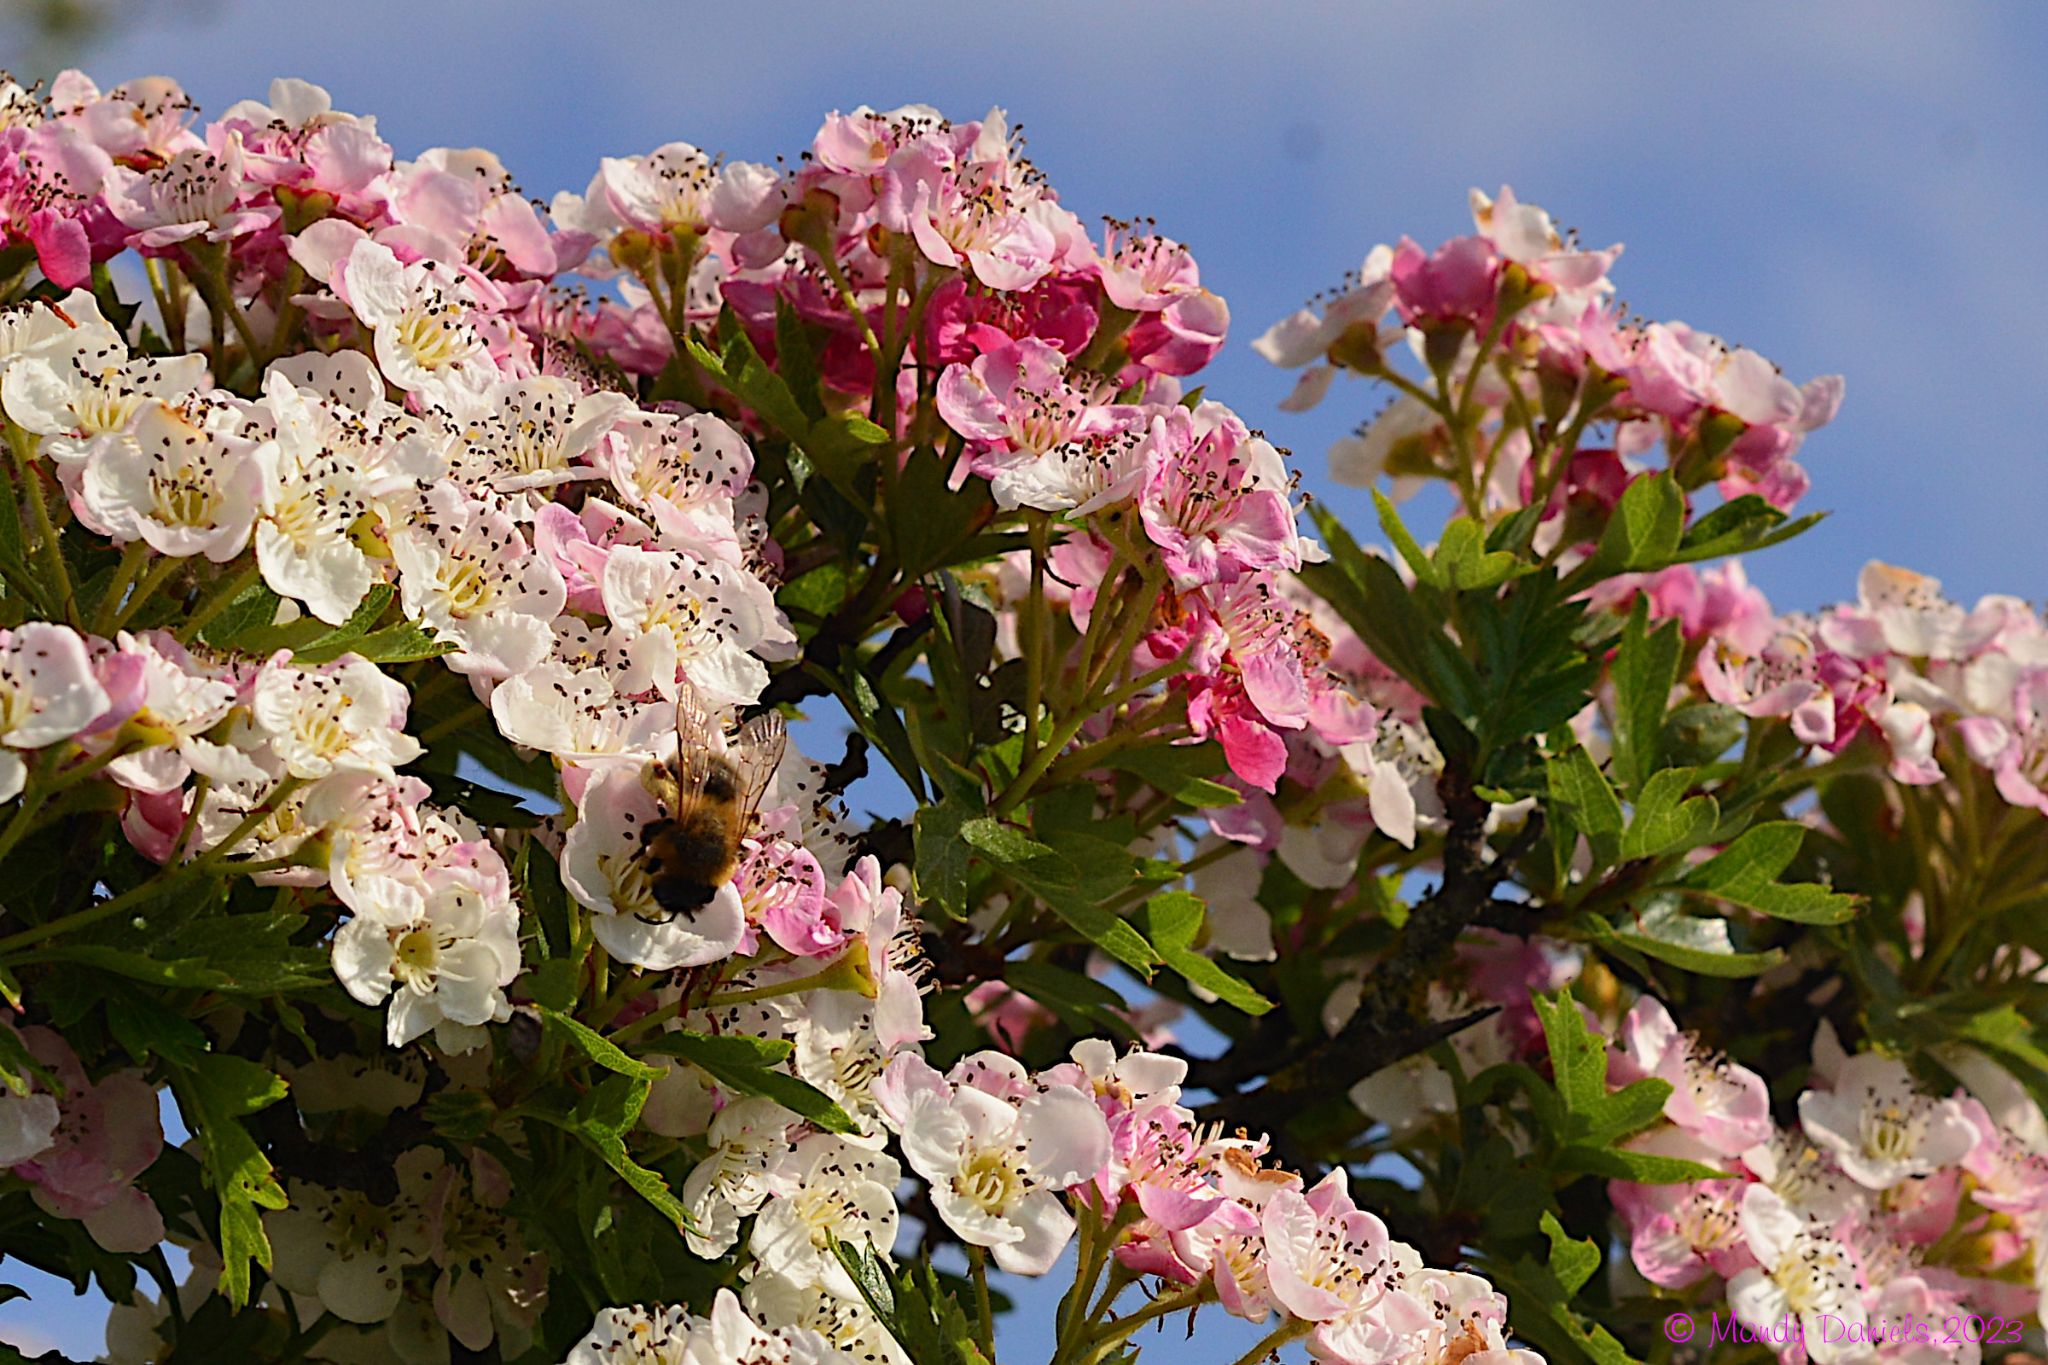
(674,189)
(604,869)
(313,497)
(47,692)
(180,478)
(180,697)
(577,713)
(635,1336)
(419,316)
(466,573)
(822,1191)
(349,1248)
(683,474)
(28,1123)
(731,1182)
(679,614)
(527,433)
(1882,1130)
(818,1321)
(1904,612)
(1802,1271)
(838,1050)
(995,1168)
(343,716)
(443,954)
(672,1336)
(72,381)
(196,193)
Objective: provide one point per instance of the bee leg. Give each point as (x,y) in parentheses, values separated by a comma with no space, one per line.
(682,897)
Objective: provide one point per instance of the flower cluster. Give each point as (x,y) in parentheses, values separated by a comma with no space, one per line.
(1883,1201)
(410,629)
(1517,328)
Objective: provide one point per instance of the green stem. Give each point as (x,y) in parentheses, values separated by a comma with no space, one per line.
(216,600)
(985,1321)
(1114,1334)
(1292,1330)
(132,556)
(22,443)
(145,589)
(166,878)
(1034,641)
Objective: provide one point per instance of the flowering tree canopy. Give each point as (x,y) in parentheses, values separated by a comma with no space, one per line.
(1473,951)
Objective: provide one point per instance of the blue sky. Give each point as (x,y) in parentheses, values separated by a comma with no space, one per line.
(1845,187)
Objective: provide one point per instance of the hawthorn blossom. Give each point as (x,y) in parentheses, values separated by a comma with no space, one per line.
(1880,1128)
(48,692)
(1803,1272)
(179,478)
(313,499)
(467,573)
(821,1190)
(76,381)
(349,1249)
(199,193)
(1721,1104)
(176,701)
(674,190)
(442,952)
(731,1183)
(528,434)
(343,716)
(419,315)
(995,1167)
(681,619)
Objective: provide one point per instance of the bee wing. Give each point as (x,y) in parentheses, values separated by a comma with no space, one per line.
(757,752)
(692,767)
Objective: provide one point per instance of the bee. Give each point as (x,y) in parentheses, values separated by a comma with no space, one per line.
(708,794)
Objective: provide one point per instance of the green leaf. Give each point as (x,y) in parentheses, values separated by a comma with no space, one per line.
(1072,879)
(1403,540)
(1627,1110)
(213,1096)
(1004,844)
(1464,564)
(403,643)
(1745,874)
(601,1120)
(597,1047)
(796,359)
(1578,1056)
(1645,1168)
(1752,861)
(1182,771)
(742,371)
(1645,667)
(1579,791)
(942,857)
(1372,599)
(745,1065)
(1082,1003)
(1572,1262)
(1699,732)
(1174,920)
(253,609)
(1665,821)
(1642,534)
(1701,945)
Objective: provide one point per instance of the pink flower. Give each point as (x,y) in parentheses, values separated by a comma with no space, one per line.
(1723,1105)
(1215,496)
(107,1135)
(1455,283)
